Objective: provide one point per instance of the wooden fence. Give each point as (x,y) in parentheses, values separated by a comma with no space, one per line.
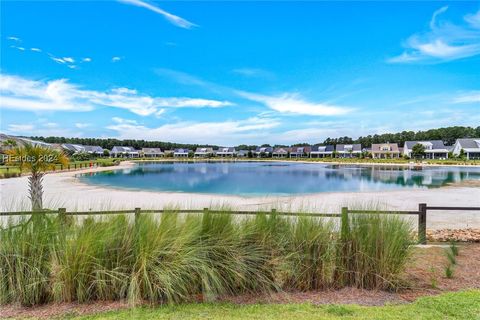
(421,213)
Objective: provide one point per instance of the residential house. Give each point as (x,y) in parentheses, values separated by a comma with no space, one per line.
(263,152)
(470,147)
(226,152)
(124,152)
(152,152)
(95,150)
(203,152)
(300,152)
(385,151)
(242,153)
(73,148)
(348,150)
(181,153)
(280,152)
(322,151)
(434,149)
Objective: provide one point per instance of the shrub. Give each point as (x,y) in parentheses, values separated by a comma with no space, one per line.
(181,257)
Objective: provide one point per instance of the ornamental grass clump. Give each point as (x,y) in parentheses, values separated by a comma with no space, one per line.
(189,257)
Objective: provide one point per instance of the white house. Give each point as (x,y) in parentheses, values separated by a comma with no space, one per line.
(322,151)
(152,152)
(434,149)
(120,151)
(203,152)
(181,153)
(348,150)
(471,148)
(226,152)
(280,153)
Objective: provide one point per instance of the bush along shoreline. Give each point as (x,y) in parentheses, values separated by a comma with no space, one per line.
(176,258)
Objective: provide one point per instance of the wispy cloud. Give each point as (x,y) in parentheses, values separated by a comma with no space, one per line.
(16,39)
(18,48)
(20,127)
(36,49)
(293,103)
(176,20)
(116,59)
(253,72)
(87,59)
(82,125)
(60,95)
(444,41)
(468,97)
(224,132)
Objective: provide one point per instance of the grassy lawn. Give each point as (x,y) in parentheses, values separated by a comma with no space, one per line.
(460,305)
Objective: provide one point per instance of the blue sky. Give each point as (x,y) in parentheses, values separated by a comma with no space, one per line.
(237,72)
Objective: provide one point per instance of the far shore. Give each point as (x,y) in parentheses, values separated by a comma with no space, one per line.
(63,189)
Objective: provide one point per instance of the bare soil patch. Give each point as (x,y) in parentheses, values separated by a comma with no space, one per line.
(425,275)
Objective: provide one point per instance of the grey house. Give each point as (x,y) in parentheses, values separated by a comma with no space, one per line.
(263,151)
(152,152)
(471,148)
(181,153)
(203,152)
(300,152)
(226,152)
(322,151)
(96,150)
(280,153)
(348,150)
(126,152)
(434,149)
(242,153)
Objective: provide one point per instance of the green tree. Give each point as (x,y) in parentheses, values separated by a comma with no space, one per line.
(418,150)
(36,160)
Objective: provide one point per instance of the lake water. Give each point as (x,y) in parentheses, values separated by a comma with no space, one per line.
(275,178)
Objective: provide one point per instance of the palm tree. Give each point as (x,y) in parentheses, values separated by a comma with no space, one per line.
(36,160)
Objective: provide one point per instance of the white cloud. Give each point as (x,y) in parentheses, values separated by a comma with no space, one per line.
(225,132)
(20,127)
(293,103)
(444,41)
(69,59)
(18,48)
(176,20)
(36,49)
(253,72)
(14,39)
(468,97)
(116,59)
(59,95)
(82,125)
(87,59)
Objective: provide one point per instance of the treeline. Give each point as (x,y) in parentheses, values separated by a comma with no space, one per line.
(110,143)
(448,135)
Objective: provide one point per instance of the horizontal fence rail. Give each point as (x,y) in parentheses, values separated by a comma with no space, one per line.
(421,213)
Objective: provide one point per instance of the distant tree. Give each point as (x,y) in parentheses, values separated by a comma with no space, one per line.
(250,154)
(418,150)
(106,153)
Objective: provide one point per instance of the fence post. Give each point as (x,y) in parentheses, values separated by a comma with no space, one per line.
(274,211)
(344,224)
(137,214)
(422,223)
(205,210)
(62,215)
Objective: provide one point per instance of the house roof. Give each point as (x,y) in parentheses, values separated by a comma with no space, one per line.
(93,149)
(471,143)
(281,150)
(73,147)
(225,150)
(327,148)
(264,149)
(389,147)
(429,144)
(118,149)
(357,147)
(152,150)
(204,150)
(181,151)
(302,150)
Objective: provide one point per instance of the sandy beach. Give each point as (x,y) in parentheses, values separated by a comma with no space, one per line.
(65,190)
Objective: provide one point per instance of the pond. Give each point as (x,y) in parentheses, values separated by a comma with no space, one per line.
(275,178)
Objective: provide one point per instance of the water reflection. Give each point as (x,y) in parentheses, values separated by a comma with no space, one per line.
(257,178)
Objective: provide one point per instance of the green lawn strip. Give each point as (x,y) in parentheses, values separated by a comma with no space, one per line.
(458,305)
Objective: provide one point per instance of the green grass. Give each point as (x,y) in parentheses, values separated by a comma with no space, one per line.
(460,305)
(177,257)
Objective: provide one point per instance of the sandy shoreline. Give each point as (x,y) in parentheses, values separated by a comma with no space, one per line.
(65,190)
